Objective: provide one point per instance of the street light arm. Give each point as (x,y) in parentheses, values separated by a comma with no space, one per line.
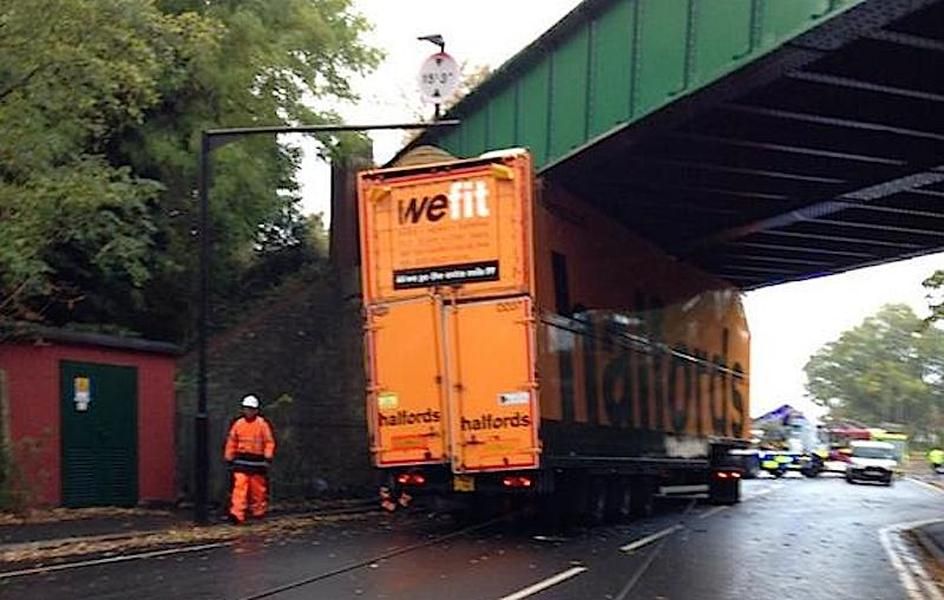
(222,136)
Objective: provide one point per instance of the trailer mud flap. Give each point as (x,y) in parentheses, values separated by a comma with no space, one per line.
(406,388)
(492,394)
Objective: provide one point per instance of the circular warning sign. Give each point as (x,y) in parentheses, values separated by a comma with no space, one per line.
(439,78)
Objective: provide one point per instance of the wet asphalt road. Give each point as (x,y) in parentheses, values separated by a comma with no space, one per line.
(793,538)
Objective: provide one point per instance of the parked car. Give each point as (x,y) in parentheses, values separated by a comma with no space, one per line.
(871,461)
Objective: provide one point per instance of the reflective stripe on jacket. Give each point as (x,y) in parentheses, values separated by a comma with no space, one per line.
(250,444)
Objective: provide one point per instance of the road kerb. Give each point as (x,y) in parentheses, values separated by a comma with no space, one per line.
(912,575)
(928,486)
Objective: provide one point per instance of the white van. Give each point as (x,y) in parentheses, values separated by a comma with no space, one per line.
(871,461)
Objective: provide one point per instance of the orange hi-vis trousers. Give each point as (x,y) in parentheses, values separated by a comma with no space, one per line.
(253,485)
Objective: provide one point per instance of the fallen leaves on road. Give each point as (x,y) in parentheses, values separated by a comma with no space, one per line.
(274,528)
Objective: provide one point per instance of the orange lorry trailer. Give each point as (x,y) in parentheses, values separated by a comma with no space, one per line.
(519,341)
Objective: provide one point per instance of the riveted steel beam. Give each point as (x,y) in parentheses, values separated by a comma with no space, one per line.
(802,249)
(735,277)
(831,121)
(733,258)
(858,84)
(710,190)
(906,39)
(896,211)
(840,238)
(879,227)
(738,170)
(752,269)
(787,148)
(932,193)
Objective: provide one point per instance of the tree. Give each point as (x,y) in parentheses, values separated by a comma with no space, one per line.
(887,369)
(100,114)
(68,83)
(935,288)
(472,77)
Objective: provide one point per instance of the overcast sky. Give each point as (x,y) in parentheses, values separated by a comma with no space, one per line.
(788,323)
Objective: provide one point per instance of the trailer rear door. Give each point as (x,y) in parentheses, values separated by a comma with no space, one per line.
(493,397)
(405,395)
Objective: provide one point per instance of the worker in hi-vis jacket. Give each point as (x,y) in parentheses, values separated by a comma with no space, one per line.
(250,447)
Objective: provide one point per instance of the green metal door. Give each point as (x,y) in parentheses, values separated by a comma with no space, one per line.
(99,407)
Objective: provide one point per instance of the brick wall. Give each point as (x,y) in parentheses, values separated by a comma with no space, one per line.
(300,351)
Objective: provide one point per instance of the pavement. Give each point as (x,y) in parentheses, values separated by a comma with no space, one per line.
(795,537)
(81,530)
(930,536)
(60,525)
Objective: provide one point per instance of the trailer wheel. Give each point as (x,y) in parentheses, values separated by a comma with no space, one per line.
(596,507)
(619,508)
(552,510)
(642,496)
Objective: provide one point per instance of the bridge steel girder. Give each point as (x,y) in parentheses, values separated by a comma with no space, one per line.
(725,131)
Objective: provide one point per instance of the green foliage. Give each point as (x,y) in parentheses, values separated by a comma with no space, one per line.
(935,287)
(68,84)
(887,369)
(101,110)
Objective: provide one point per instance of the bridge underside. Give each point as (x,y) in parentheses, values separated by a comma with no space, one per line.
(824,155)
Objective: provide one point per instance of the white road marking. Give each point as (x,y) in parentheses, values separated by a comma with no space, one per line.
(110,559)
(543,585)
(911,573)
(712,511)
(650,538)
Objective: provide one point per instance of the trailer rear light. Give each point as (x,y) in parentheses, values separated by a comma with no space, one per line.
(411,479)
(517,482)
(721,475)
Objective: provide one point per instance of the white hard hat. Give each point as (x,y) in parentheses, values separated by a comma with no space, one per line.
(250,401)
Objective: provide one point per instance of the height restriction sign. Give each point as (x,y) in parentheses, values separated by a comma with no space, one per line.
(439,78)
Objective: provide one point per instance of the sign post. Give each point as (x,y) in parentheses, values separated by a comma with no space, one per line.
(439,75)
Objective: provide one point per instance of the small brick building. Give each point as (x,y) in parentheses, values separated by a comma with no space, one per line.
(88,418)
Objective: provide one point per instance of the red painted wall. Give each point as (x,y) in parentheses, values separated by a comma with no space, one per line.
(33,385)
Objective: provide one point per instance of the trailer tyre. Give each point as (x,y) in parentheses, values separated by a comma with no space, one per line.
(596,508)
(642,497)
(619,508)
